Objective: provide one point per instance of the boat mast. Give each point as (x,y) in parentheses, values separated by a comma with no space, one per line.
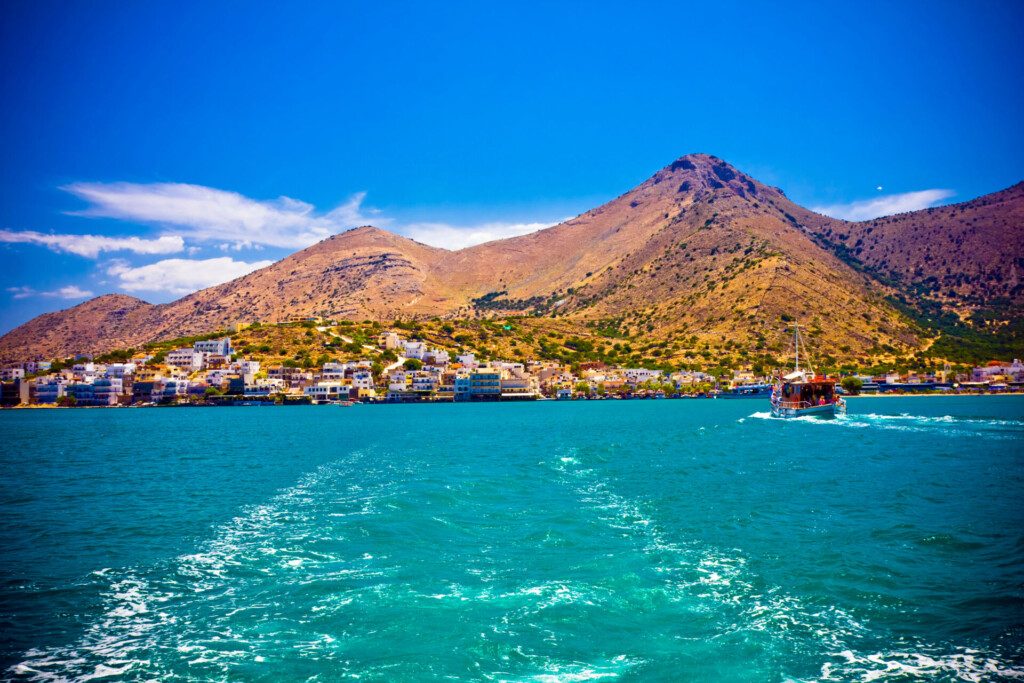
(796,345)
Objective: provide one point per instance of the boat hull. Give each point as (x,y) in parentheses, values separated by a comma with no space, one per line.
(829,410)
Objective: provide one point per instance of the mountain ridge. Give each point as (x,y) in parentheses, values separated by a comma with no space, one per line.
(699,249)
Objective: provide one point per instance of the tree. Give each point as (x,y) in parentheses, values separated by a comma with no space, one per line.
(852,384)
(67,401)
(412,364)
(582,388)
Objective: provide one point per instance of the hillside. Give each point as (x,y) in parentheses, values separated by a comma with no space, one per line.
(699,252)
(954,269)
(968,255)
(101,324)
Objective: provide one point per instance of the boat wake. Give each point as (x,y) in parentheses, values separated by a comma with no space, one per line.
(904,422)
(746,607)
(205,614)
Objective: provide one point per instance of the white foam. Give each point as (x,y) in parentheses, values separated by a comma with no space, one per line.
(131,629)
(963,664)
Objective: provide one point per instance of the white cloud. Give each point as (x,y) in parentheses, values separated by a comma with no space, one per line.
(181,276)
(21,292)
(90,246)
(456,237)
(229,221)
(68,292)
(208,214)
(886,205)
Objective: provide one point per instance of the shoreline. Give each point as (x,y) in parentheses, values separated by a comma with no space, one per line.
(941,395)
(49,406)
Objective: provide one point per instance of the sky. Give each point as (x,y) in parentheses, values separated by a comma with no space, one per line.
(157,148)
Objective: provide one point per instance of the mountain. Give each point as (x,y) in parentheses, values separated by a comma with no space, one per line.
(106,322)
(699,254)
(968,256)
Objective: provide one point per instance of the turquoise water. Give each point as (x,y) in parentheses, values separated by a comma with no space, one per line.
(643,540)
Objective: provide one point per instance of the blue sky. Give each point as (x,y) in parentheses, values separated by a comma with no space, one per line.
(154,148)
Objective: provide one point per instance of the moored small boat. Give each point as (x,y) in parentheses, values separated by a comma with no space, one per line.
(748,391)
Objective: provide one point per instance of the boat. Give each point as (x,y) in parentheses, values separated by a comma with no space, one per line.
(748,391)
(346,404)
(804,393)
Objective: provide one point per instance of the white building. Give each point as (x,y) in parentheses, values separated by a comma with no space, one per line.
(437,357)
(248,367)
(424,382)
(85,371)
(1014,370)
(216,347)
(34,366)
(119,369)
(8,374)
(175,387)
(185,358)
(107,390)
(327,391)
(468,360)
(362,379)
(641,375)
(389,340)
(414,349)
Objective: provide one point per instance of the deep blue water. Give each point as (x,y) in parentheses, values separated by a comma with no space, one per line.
(642,540)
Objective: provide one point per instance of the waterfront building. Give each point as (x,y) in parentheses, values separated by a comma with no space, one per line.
(14,392)
(323,392)
(518,389)
(147,390)
(107,391)
(460,387)
(100,392)
(47,390)
(999,371)
(174,388)
(485,384)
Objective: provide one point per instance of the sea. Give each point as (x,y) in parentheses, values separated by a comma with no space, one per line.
(655,540)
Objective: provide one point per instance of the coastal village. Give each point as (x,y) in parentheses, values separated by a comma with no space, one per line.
(212,372)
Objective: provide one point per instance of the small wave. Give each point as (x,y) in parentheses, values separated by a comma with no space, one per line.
(904,422)
(964,665)
(692,570)
(263,546)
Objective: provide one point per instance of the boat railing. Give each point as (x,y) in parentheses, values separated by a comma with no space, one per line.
(793,404)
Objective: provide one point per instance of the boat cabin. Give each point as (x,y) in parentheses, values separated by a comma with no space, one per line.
(800,391)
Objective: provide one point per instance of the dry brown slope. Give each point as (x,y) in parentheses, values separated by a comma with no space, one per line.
(969,254)
(698,248)
(361,273)
(106,322)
